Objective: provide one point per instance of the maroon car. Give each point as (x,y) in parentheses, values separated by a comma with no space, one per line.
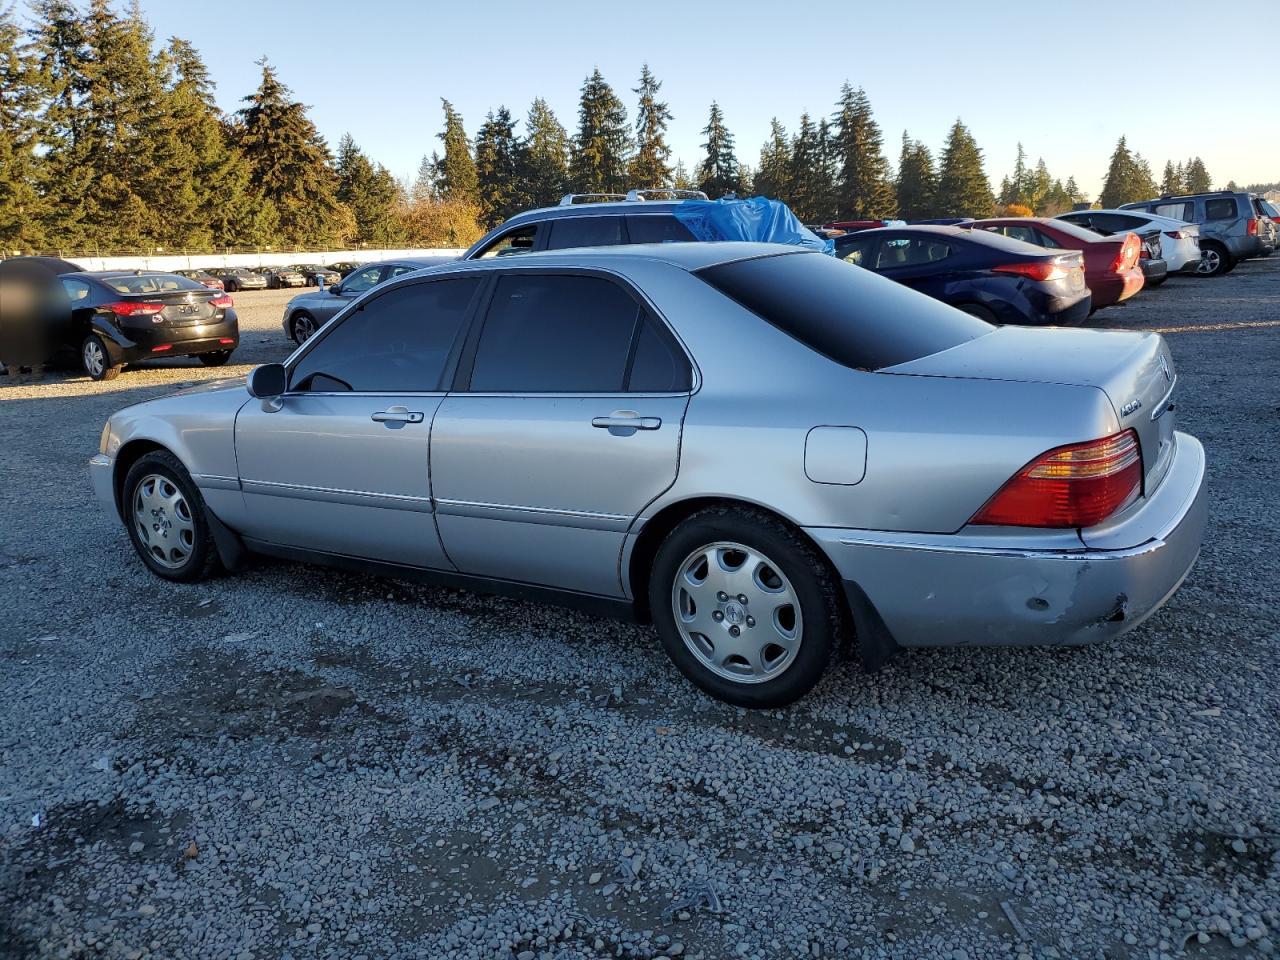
(1112,267)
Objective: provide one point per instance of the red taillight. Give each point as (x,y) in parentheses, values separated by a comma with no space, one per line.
(1073,486)
(1035,270)
(1130,250)
(133,309)
(225,340)
(1145,255)
(1176,235)
(1251,228)
(162,348)
(222,301)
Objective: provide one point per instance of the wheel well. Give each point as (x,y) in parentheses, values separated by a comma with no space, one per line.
(129,454)
(670,517)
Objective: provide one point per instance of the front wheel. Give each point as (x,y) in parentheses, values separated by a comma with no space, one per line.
(164,514)
(215,359)
(303,327)
(745,607)
(96,360)
(1214,261)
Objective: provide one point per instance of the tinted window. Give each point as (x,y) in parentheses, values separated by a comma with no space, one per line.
(852,316)
(76,289)
(397,343)
(1025,234)
(585,232)
(399,270)
(1044,240)
(517,241)
(361,280)
(657,229)
(857,251)
(555,334)
(1117,222)
(911,252)
(151,283)
(1223,208)
(659,365)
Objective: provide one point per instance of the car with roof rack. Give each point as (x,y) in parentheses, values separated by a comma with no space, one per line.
(1231,229)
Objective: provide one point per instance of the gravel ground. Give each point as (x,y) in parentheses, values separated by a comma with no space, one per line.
(302,763)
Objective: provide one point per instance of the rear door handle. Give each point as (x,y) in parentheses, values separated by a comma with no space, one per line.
(398,415)
(626,420)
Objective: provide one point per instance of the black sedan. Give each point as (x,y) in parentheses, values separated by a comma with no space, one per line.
(118,318)
(984,274)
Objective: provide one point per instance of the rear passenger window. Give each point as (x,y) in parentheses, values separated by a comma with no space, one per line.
(555,334)
(659,365)
(657,229)
(1184,210)
(1223,208)
(911,252)
(585,232)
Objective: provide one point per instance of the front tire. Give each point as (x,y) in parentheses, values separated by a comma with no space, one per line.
(96,360)
(303,327)
(164,515)
(745,607)
(216,359)
(1214,260)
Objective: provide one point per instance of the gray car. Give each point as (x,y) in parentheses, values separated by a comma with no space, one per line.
(673,433)
(1229,226)
(308,312)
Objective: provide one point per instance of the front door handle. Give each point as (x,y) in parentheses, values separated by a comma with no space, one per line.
(398,415)
(626,420)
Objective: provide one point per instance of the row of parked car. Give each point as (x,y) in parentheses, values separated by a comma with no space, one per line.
(234,279)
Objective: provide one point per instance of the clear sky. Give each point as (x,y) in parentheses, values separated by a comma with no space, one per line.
(1065,78)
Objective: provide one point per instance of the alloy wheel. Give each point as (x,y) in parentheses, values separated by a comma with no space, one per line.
(303,328)
(163,521)
(1210,261)
(95,358)
(737,612)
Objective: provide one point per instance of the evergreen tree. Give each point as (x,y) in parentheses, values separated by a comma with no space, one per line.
(1020,181)
(369,192)
(1197,177)
(917,192)
(865,188)
(498,166)
(963,188)
(680,178)
(718,172)
(545,158)
(811,186)
(603,141)
(22,207)
(773,176)
(424,184)
(1074,193)
(455,176)
(1128,178)
(746,182)
(651,165)
(289,162)
(1171,182)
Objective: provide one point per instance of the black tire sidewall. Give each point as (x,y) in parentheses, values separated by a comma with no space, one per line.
(202,556)
(809,575)
(293,324)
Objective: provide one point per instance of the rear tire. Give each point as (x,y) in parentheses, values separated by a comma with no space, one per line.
(216,359)
(979,311)
(787,628)
(96,360)
(303,327)
(1214,260)
(164,515)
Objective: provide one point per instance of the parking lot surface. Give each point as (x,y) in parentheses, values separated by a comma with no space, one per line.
(296,762)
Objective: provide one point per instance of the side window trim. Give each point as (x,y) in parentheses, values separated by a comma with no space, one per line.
(478,300)
(461,379)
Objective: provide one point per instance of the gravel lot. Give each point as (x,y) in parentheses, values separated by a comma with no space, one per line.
(302,763)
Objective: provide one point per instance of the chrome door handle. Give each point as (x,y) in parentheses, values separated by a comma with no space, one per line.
(398,415)
(626,420)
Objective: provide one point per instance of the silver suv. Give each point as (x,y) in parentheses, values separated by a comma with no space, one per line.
(1230,228)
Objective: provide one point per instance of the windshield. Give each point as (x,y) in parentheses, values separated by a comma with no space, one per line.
(151,283)
(844,312)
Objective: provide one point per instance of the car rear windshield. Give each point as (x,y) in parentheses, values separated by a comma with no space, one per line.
(151,283)
(844,312)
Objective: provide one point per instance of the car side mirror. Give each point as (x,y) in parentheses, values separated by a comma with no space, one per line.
(268,381)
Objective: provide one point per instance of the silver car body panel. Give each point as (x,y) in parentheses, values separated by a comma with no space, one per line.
(524,488)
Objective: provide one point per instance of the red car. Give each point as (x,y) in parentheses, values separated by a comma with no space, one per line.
(1111,264)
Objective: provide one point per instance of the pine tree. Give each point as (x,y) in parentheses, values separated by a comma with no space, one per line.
(827,183)
(369,192)
(811,184)
(424,184)
(1128,178)
(963,188)
(545,158)
(22,207)
(1171,183)
(456,177)
(745,186)
(651,165)
(1073,192)
(865,189)
(603,141)
(718,172)
(773,176)
(1020,181)
(498,163)
(680,178)
(289,162)
(1197,177)
(917,190)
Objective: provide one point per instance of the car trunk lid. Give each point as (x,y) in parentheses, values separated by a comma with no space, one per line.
(182,307)
(1134,370)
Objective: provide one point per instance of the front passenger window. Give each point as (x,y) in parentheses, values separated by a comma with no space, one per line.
(397,343)
(520,240)
(362,280)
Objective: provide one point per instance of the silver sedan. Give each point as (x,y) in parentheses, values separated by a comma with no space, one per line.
(761,450)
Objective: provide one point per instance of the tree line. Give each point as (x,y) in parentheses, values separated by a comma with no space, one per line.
(109,143)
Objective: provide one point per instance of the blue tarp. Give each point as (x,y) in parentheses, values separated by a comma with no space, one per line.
(758,219)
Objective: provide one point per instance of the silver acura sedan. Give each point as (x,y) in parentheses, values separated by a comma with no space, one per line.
(764,451)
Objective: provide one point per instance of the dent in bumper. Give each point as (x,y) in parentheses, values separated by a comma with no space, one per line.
(100,474)
(949,590)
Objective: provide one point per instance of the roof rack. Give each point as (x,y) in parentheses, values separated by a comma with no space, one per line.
(569,199)
(633,196)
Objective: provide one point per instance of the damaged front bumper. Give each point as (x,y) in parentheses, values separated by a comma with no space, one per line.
(919,590)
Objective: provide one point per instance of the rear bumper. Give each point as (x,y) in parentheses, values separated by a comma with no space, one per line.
(1154,271)
(1002,590)
(1115,288)
(140,343)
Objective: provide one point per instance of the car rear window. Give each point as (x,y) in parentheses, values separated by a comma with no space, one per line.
(151,283)
(843,312)
(1220,209)
(657,228)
